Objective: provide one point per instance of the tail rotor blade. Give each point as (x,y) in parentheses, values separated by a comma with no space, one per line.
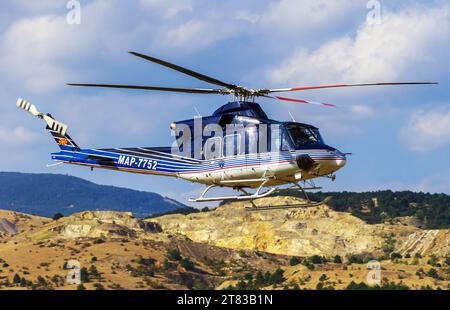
(27,106)
(55,125)
(51,122)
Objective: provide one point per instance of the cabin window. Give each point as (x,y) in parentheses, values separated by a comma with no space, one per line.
(213,148)
(232,145)
(252,138)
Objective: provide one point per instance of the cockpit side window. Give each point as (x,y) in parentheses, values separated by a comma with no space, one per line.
(285,145)
(302,135)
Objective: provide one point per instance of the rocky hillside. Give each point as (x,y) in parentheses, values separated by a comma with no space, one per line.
(229,247)
(304,231)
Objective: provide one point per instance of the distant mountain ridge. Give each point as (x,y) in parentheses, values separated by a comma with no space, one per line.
(48,194)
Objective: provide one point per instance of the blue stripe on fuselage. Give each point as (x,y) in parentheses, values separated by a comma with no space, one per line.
(167,163)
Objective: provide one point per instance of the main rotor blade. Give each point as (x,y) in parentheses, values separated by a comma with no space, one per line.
(346,85)
(303,101)
(197,75)
(169,89)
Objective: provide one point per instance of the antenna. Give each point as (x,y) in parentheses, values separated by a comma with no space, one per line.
(292,117)
(198,113)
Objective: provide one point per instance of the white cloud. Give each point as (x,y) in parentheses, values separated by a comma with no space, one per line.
(247,16)
(170,8)
(302,18)
(199,33)
(17,136)
(38,51)
(411,40)
(427,130)
(38,5)
(362,112)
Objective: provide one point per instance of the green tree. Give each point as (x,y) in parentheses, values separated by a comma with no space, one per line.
(433,261)
(187,264)
(57,216)
(174,254)
(447,260)
(16,279)
(294,261)
(277,277)
(316,259)
(395,255)
(433,273)
(323,277)
(259,279)
(166,265)
(84,275)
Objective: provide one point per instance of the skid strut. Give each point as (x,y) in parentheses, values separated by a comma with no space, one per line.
(246,196)
(308,202)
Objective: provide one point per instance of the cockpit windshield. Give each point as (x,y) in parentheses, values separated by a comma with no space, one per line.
(302,135)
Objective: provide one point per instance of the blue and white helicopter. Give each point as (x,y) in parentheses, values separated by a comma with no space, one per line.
(238,146)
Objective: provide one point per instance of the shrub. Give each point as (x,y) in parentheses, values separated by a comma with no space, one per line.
(309,265)
(396,255)
(84,275)
(357,286)
(57,216)
(323,277)
(187,264)
(433,273)
(16,279)
(316,259)
(447,260)
(277,277)
(432,261)
(99,241)
(242,253)
(259,279)
(337,259)
(294,261)
(166,265)
(174,254)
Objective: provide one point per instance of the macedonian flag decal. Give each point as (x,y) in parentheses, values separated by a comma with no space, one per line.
(62,141)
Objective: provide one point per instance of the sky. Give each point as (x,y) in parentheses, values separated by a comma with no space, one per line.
(399,136)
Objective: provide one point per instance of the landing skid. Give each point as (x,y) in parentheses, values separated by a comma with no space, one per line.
(246,196)
(258,194)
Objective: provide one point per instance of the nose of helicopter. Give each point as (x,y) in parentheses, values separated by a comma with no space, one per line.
(325,164)
(340,160)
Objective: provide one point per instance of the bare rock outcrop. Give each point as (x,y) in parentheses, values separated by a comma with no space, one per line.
(301,231)
(6,227)
(98,224)
(427,242)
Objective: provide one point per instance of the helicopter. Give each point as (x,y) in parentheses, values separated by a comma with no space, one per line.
(237,147)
